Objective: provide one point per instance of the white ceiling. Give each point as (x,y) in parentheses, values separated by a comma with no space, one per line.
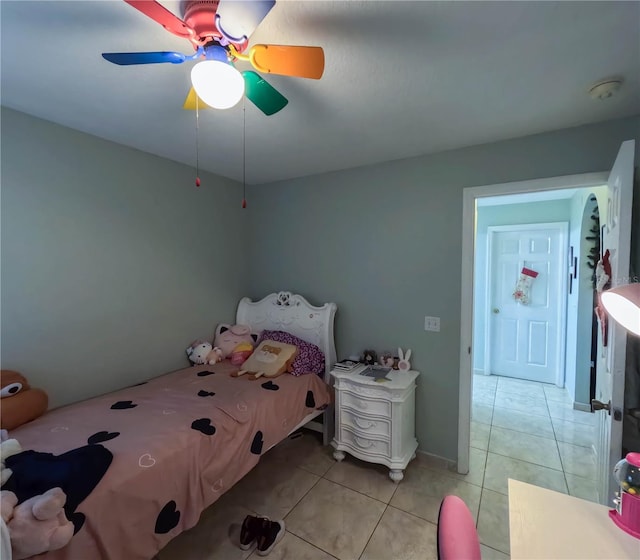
(401,79)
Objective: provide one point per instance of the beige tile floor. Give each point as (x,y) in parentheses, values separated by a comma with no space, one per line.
(353,511)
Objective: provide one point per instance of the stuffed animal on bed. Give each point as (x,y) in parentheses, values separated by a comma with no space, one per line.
(229,336)
(8,447)
(20,403)
(37,524)
(241,353)
(201,352)
(270,359)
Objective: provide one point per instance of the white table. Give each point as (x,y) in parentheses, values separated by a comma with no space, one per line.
(547,525)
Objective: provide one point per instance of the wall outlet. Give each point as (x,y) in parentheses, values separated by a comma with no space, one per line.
(432,324)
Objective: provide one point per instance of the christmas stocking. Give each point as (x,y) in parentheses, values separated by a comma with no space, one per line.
(523,287)
(603,282)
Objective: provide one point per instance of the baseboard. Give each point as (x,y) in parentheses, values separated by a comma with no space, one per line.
(478,372)
(431,460)
(582,406)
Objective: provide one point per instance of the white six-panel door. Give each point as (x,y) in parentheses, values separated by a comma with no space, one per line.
(527,341)
(610,368)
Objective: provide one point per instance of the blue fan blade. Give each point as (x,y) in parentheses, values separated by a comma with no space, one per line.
(125,59)
(240,19)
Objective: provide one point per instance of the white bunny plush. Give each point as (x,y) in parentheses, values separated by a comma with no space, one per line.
(403,362)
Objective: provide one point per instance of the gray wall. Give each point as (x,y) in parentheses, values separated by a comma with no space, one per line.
(112,260)
(384,243)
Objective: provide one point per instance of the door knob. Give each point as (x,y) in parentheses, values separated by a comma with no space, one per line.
(597,405)
(496,310)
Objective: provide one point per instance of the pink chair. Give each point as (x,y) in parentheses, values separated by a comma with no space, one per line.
(457,535)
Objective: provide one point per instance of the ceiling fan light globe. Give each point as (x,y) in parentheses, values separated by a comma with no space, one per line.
(218,84)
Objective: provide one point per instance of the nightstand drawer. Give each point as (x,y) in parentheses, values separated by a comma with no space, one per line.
(375,427)
(366,391)
(370,406)
(365,444)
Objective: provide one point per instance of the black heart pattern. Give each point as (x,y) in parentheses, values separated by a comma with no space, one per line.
(204,425)
(256,445)
(205,394)
(99,437)
(78,520)
(167,518)
(310,401)
(205,373)
(123,405)
(270,386)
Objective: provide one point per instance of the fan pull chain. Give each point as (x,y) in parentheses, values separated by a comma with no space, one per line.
(244,157)
(197,151)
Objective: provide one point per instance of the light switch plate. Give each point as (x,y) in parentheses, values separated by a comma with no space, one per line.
(432,324)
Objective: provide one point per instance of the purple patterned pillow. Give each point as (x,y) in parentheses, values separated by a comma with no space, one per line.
(310,358)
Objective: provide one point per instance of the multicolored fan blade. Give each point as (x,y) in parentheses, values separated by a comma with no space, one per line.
(125,59)
(164,17)
(301,62)
(190,101)
(262,94)
(238,20)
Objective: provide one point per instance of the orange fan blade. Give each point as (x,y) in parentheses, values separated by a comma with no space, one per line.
(190,101)
(301,62)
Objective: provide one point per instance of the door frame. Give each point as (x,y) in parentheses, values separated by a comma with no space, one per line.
(469,218)
(563,228)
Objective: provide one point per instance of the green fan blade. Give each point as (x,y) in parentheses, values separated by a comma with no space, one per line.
(262,94)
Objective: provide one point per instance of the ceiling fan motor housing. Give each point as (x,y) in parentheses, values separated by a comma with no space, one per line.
(200,15)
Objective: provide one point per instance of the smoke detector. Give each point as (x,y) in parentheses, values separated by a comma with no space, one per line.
(605,88)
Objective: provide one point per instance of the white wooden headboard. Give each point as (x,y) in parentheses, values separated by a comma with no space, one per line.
(284,311)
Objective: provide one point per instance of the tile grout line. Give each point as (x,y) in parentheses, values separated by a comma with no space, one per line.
(555,437)
(374,530)
(323,477)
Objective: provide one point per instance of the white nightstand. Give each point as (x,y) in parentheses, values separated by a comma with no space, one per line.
(376,421)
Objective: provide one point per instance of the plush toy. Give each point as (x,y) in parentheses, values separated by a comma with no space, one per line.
(229,336)
(8,447)
(241,353)
(270,359)
(386,359)
(369,357)
(37,524)
(201,352)
(403,362)
(20,403)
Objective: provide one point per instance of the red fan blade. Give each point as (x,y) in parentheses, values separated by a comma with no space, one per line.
(164,17)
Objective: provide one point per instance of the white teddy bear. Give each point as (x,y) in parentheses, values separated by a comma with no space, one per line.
(203,353)
(8,447)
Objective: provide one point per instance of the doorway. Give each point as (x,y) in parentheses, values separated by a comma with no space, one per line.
(470,197)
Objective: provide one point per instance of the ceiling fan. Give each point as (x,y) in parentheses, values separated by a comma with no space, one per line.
(219,31)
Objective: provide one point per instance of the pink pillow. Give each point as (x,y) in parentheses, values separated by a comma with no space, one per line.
(310,358)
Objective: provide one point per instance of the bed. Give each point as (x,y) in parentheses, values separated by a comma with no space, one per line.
(179,441)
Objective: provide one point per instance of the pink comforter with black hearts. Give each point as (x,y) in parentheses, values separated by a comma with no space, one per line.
(178,442)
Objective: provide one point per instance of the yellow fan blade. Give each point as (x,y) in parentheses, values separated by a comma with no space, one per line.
(301,62)
(190,101)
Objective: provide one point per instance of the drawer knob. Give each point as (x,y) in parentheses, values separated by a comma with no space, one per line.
(366,445)
(362,404)
(364,426)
